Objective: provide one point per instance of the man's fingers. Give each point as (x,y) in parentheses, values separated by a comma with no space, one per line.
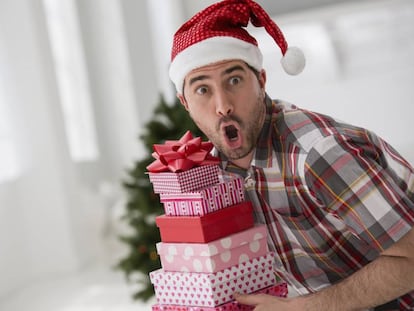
(250,300)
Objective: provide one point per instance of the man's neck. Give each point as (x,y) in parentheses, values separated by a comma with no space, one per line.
(244,162)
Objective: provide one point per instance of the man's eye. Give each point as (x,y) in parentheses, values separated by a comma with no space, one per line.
(234,80)
(201,90)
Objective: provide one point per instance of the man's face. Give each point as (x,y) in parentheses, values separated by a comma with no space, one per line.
(226,101)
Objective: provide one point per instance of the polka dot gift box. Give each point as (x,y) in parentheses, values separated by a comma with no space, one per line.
(216,255)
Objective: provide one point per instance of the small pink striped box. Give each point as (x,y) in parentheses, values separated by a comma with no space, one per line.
(205,200)
(278,290)
(186,181)
(215,255)
(212,289)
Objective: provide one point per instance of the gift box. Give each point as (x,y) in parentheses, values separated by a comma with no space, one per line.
(205,200)
(212,289)
(279,290)
(185,181)
(203,229)
(215,255)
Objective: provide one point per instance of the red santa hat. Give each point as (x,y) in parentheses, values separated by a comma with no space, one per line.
(218,33)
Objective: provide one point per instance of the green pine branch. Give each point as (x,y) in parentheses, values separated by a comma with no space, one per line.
(143,205)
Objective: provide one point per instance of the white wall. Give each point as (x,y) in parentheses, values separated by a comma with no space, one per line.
(53,217)
(35,234)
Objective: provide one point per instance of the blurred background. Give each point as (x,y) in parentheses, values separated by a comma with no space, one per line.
(79,79)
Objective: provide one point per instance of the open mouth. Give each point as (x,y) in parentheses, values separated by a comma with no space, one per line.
(231,132)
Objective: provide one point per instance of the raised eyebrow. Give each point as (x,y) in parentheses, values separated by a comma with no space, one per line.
(232,69)
(197,78)
(225,72)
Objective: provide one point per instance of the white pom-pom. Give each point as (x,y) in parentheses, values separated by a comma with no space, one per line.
(293,61)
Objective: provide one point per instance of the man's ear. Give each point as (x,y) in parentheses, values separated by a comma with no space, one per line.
(183,101)
(262,79)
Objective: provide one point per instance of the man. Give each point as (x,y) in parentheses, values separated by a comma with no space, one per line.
(338,201)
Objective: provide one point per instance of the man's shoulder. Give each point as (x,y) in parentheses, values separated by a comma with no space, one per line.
(283,110)
(301,126)
(296,117)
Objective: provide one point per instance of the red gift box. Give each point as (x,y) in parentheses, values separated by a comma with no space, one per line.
(203,229)
(279,290)
(185,181)
(204,201)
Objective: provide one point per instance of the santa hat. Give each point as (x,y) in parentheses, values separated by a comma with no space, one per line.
(218,33)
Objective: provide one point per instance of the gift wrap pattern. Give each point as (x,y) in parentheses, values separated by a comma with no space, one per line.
(186,181)
(279,290)
(203,201)
(212,289)
(216,255)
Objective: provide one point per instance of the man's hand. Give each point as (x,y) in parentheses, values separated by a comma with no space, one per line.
(263,302)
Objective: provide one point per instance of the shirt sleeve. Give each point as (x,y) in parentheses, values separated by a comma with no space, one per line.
(366,183)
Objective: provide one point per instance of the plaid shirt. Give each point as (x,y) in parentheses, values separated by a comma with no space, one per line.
(333,196)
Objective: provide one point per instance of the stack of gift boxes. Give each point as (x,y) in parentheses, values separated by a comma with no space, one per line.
(210,247)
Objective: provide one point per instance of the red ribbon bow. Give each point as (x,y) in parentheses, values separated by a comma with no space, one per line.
(182,155)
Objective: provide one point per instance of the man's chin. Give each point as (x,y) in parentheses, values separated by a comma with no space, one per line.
(235,153)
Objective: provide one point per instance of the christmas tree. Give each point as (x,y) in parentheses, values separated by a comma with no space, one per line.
(169,122)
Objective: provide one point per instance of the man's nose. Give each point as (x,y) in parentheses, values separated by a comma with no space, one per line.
(224,104)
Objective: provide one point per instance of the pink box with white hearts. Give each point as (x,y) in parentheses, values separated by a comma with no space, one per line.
(212,289)
(215,255)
